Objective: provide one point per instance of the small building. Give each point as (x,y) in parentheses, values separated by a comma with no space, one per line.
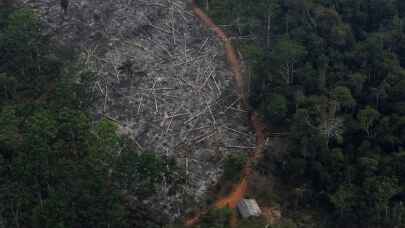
(248,208)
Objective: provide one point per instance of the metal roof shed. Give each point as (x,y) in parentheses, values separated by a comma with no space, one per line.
(248,208)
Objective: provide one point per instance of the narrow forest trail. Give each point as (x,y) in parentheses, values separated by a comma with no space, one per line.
(239,191)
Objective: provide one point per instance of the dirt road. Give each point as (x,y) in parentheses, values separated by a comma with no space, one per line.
(239,190)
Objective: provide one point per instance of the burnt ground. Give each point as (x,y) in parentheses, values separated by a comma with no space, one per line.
(163,79)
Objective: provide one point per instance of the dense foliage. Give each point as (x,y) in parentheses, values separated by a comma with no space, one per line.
(331,73)
(58,167)
(233,167)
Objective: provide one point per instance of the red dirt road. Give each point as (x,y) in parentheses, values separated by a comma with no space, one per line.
(239,191)
(231,55)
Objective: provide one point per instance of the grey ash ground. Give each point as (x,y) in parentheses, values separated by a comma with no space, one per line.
(163,78)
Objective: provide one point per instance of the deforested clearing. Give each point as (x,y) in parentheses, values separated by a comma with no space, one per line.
(162,78)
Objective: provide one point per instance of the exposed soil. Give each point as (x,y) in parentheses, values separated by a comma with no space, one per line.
(240,190)
(230,51)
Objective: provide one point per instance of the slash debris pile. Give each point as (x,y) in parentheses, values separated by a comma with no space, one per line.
(162,77)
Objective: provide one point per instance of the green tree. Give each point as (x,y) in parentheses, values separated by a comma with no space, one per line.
(216,218)
(234,165)
(344,199)
(378,190)
(344,97)
(368,118)
(276,108)
(287,54)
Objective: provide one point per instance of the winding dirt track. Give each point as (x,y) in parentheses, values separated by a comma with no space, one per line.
(239,191)
(231,55)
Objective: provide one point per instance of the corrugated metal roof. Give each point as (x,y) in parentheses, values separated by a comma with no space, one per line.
(248,208)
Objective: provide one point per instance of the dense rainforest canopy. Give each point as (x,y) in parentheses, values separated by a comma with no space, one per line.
(331,73)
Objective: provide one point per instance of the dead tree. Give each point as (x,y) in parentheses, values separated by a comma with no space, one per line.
(6,3)
(64,4)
